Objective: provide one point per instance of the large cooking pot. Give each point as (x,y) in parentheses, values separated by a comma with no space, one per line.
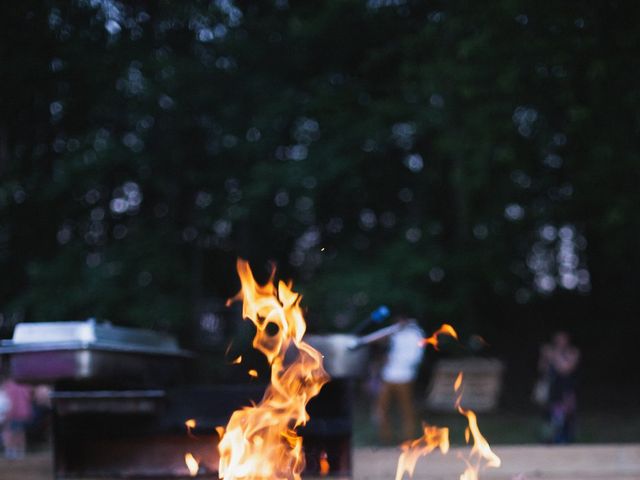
(346,355)
(341,360)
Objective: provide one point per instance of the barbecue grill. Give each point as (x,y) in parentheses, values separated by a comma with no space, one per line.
(92,352)
(121,400)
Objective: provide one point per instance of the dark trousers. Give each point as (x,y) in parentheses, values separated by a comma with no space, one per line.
(390,395)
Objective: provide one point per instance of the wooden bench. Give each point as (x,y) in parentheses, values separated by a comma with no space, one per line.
(481,386)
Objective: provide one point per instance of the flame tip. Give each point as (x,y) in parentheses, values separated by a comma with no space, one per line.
(445,329)
(193,465)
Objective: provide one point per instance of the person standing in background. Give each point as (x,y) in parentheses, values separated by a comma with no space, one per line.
(5,405)
(39,427)
(16,418)
(558,363)
(398,376)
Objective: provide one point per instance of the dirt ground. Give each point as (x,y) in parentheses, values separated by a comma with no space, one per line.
(576,462)
(532,462)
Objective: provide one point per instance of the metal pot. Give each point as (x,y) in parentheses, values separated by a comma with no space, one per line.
(341,359)
(346,355)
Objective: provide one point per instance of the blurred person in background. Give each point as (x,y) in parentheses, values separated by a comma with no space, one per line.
(558,364)
(18,414)
(40,424)
(5,405)
(398,376)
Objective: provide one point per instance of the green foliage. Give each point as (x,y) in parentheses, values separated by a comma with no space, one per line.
(403,152)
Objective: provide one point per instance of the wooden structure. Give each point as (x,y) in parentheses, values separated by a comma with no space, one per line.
(481,386)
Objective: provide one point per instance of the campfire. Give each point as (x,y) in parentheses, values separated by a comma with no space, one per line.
(261,441)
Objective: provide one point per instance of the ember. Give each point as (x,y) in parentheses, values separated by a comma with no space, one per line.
(325,467)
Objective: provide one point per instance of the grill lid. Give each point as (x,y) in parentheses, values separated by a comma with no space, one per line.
(88,334)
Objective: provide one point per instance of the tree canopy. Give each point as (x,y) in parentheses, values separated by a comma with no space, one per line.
(477,163)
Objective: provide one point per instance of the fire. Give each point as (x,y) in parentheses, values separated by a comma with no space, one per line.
(445,329)
(325,467)
(260,441)
(253,373)
(192,464)
(190,424)
(457,384)
(480,456)
(481,449)
(433,438)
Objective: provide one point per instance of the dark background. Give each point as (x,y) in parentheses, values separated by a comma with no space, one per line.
(476,162)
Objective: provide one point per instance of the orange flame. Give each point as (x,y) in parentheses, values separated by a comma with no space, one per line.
(433,438)
(237,360)
(253,373)
(457,387)
(445,329)
(190,424)
(481,451)
(260,441)
(458,383)
(324,464)
(192,464)
(480,456)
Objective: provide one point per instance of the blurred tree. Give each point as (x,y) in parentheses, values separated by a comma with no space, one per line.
(475,163)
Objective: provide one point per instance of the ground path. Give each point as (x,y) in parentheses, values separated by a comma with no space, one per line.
(576,462)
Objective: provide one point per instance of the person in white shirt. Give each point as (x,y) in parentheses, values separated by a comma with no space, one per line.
(398,376)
